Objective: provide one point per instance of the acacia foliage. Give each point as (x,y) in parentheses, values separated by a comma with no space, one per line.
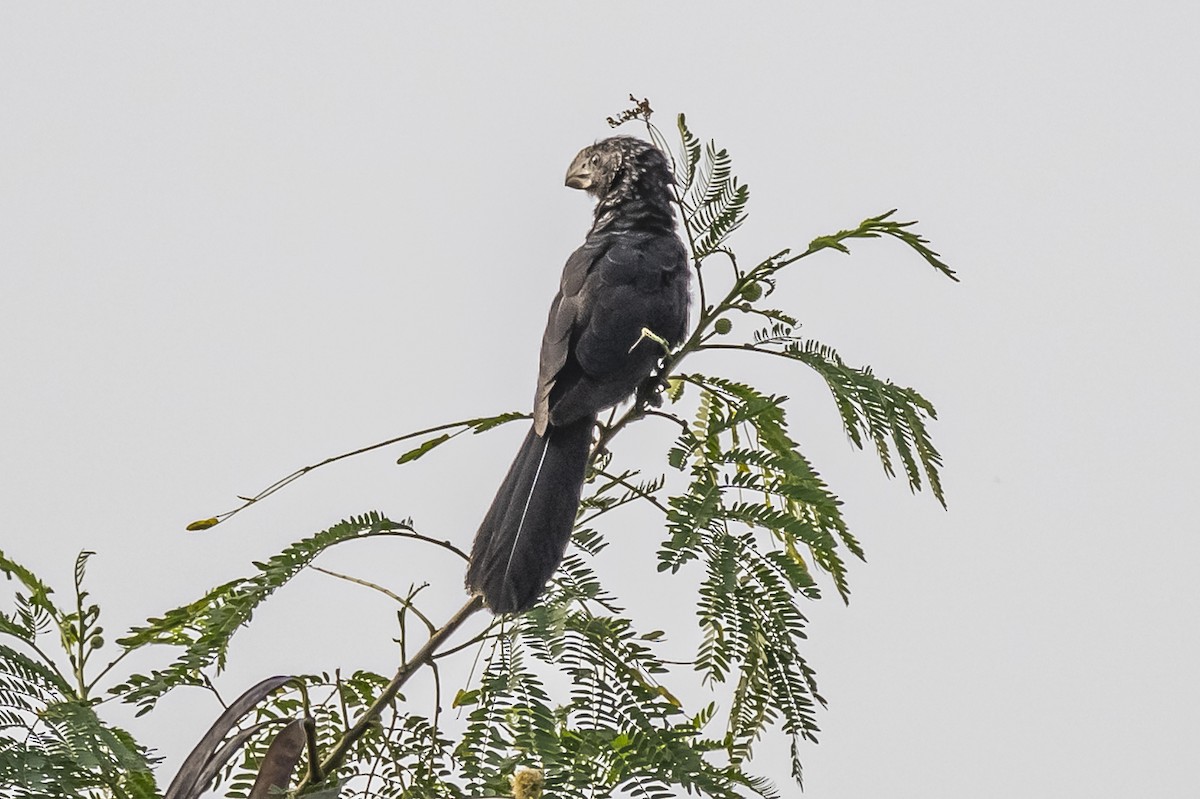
(575,687)
(52,741)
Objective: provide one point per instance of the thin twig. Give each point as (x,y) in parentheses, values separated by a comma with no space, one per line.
(653,500)
(81,641)
(750,348)
(208,684)
(366,791)
(670,416)
(479,639)
(437,712)
(407,603)
(337,676)
(49,662)
(446,545)
(687,229)
(106,670)
(465,424)
(335,757)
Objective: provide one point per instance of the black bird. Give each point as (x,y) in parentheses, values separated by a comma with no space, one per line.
(630,276)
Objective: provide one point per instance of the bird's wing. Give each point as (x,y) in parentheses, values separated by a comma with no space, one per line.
(639,282)
(564,320)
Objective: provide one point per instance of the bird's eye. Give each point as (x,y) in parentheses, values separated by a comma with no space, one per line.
(596,160)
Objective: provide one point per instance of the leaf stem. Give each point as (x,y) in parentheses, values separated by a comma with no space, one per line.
(283,482)
(80,633)
(408,604)
(106,670)
(653,500)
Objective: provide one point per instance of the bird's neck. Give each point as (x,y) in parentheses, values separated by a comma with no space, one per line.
(636,212)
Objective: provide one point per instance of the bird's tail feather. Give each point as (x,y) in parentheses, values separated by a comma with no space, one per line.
(525,532)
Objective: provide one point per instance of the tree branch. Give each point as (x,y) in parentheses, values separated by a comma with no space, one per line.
(335,757)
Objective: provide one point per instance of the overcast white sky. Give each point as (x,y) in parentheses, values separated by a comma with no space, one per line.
(238,238)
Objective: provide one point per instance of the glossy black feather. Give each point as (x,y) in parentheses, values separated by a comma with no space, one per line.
(525,532)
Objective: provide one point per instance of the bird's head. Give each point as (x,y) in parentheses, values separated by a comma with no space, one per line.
(595,167)
(613,168)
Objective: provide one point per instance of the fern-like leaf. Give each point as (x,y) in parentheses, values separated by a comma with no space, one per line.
(203,629)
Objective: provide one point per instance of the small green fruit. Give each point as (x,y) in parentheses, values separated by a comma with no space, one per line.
(752,291)
(723,326)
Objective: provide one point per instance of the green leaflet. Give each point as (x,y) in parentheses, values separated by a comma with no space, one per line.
(202,630)
(711,198)
(875,226)
(413,454)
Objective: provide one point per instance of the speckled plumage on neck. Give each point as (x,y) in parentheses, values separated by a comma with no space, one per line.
(631,180)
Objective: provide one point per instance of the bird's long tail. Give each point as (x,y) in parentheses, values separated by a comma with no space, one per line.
(525,533)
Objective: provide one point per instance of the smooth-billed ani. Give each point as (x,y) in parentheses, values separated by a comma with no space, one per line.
(630,275)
